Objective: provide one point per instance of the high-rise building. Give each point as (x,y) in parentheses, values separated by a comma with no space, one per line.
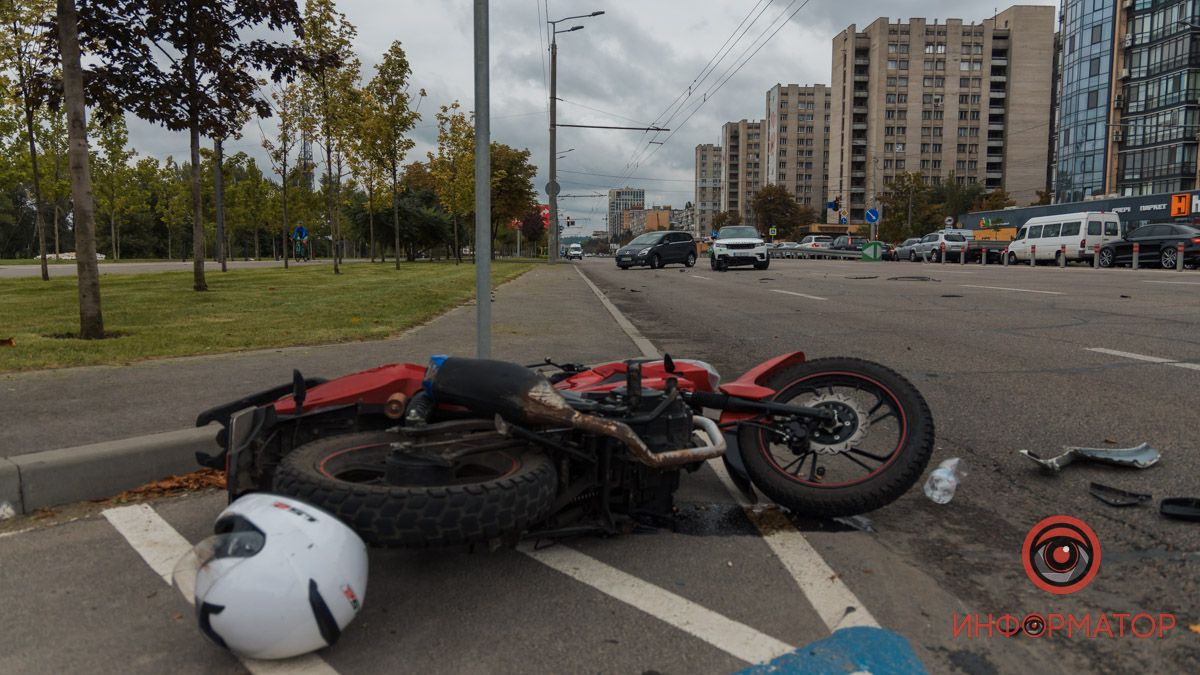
(1088,34)
(796,128)
(741,167)
(618,201)
(940,98)
(707,201)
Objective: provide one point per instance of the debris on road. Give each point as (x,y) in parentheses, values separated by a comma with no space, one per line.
(951,295)
(914,279)
(860,523)
(874,277)
(172,485)
(1180,508)
(7,511)
(942,483)
(1139,457)
(1116,496)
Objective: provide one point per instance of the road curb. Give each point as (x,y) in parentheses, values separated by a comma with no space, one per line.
(53,477)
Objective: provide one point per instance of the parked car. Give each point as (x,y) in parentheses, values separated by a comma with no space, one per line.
(848,243)
(817,241)
(905,250)
(657,249)
(1157,244)
(931,245)
(1079,232)
(888,252)
(739,245)
(786,249)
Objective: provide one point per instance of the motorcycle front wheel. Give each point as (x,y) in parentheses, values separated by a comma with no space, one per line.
(480,498)
(872,455)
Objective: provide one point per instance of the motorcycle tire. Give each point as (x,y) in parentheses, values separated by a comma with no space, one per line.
(418,516)
(886,484)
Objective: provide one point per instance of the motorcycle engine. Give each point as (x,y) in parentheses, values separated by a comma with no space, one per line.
(669,431)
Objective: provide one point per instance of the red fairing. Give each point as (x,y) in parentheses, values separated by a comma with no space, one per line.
(372,386)
(609,376)
(750,384)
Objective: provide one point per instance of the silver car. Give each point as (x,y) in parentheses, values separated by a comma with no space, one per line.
(905,250)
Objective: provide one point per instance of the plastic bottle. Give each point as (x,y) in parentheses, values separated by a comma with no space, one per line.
(942,482)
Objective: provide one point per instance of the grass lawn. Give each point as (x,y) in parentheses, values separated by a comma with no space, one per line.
(158,315)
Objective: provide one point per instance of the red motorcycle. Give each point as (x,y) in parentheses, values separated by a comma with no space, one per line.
(475,451)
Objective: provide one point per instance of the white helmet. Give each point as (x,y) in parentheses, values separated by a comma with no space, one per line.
(279,578)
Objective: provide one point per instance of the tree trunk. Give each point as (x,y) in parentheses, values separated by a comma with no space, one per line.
(283,242)
(57,252)
(219,201)
(37,180)
(256,256)
(91,321)
(371,219)
(198,254)
(396,214)
(112,231)
(457,248)
(329,203)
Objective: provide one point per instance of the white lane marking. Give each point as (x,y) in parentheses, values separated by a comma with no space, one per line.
(647,347)
(697,276)
(161,546)
(14,532)
(801,295)
(820,585)
(834,602)
(1180,283)
(1142,357)
(716,629)
(1019,290)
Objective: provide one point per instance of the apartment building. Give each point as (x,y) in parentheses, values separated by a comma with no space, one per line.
(741,167)
(796,128)
(707,200)
(620,200)
(972,99)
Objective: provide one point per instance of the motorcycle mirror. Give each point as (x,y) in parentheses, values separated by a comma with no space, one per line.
(668,363)
(299,390)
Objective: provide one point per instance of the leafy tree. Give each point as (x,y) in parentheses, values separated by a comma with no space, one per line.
(453,167)
(387,122)
(288,106)
(23,51)
(329,89)
(114,177)
(954,198)
(725,218)
(775,207)
(56,185)
(513,193)
(532,227)
(995,200)
(91,319)
(908,194)
(1044,197)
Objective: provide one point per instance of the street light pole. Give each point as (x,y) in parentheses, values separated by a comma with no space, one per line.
(483,191)
(552,187)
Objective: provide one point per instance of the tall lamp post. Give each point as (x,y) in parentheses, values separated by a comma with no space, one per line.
(552,188)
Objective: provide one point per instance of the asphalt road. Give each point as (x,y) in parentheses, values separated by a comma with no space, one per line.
(1002,367)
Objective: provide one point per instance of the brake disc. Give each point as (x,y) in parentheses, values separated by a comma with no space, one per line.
(846,431)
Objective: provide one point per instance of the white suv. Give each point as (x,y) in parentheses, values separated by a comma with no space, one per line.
(739,245)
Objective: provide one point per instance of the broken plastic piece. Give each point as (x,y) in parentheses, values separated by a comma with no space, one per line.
(1180,508)
(1139,457)
(1116,496)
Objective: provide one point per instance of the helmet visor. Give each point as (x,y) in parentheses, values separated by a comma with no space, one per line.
(216,556)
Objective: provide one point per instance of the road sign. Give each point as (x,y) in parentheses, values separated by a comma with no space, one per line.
(842,221)
(773,231)
(843,213)
(872,216)
(949,221)
(552,188)
(872,251)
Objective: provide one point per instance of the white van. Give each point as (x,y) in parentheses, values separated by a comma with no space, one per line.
(575,251)
(1079,232)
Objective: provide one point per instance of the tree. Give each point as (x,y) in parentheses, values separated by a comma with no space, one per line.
(726,218)
(905,208)
(289,109)
(953,198)
(204,75)
(22,51)
(114,175)
(91,320)
(1044,197)
(513,193)
(775,207)
(453,167)
(329,89)
(532,227)
(56,183)
(385,145)
(995,200)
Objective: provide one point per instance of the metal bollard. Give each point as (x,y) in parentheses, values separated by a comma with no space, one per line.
(1179,257)
(1096,256)
(1004,257)
(942,253)
(1137,253)
(983,254)
(1062,257)
(1033,255)
(962,255)
(924,256)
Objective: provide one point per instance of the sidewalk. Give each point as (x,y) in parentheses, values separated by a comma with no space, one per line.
(549,311)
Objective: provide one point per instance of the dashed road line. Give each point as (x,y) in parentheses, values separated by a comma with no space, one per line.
(730,636)
(1143,357)
(161,546)
(1019,290)
(800,295)
(697,276)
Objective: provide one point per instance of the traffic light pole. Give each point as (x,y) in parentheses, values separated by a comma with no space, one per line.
(552,186)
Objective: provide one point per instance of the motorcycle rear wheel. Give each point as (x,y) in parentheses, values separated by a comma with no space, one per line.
(830,487)
(492,495)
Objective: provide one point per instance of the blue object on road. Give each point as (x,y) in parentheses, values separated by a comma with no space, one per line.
(849,650)
(872,215)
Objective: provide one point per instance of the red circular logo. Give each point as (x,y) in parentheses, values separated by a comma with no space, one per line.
(1061,554)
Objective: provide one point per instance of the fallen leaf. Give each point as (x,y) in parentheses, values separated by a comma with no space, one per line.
(8,342)
(1195,628)
(178,616)
(197,480)
(1110,441)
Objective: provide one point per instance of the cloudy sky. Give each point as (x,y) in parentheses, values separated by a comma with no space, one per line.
(633,66)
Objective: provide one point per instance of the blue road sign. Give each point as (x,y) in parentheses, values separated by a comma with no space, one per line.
(842,221)
(872,215)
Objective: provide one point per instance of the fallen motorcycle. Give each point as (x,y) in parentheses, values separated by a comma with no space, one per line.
(469,451)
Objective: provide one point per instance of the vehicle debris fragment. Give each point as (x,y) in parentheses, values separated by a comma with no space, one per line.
(1139,457)
(913,279)
(1116,496)
(1180,508)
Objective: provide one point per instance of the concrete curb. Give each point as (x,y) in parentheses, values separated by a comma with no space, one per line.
(54,477)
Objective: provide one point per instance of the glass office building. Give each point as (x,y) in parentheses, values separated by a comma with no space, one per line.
(1087,33)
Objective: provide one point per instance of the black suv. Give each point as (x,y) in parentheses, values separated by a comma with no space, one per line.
(657,249)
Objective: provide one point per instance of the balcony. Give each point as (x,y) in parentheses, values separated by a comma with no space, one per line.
(858,141)
(860,93)
(999,61)
(859,61)
(862,78)
(858,189)
(859,109)
(858,174)
(995,142)
(995,126)
(859,126)
(998,78)
(858,157)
